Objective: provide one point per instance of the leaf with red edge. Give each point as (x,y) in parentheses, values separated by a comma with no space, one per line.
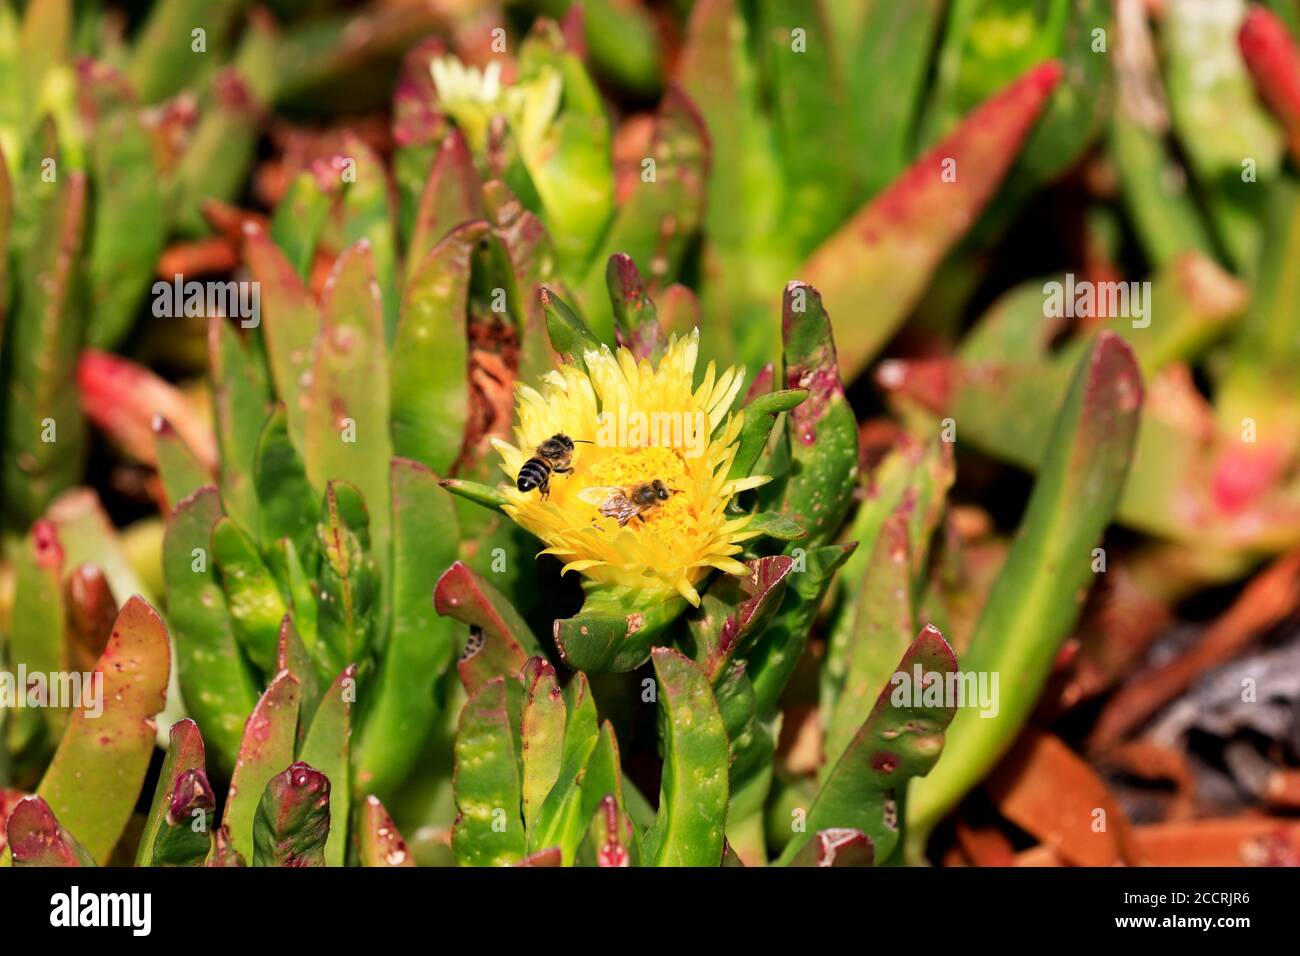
(499,642)
(36,838)
(96,775)
(880,262)
(380,843)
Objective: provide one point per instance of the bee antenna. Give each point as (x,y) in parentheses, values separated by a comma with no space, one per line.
(581,441)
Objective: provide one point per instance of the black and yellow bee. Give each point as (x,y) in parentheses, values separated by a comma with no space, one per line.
(555,455)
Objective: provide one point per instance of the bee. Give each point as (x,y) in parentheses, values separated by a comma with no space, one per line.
(555,455)
(624,504)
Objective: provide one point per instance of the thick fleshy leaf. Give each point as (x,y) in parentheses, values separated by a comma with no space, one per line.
(291,322)
(430,366)
(36,838)
(688,830)
(367,217)
(293,819)
(160,66)
(777,651)
(542,733)
(901,739)
(615,629)
(239,397)
(327,747)
(881,632)
(1220,122)
(269,737)
(44,431)
(822,431)
(96,774)
(36,631)
(380,843)
(1040,590)
(125,399)
(185,836)
(898,39)
(489,829)
(611,838)
(348,602)
(421,643)
(809,97)
(91,611)
(293,655)
(879,262)
(300,218)
(499,641)
(734,611)
(130,220)
(451,195)
(563,814)
(760,418)
(286,501)
(570,336)
(347,424)
(252,599)
(185,753)
(636,326)
(181,472)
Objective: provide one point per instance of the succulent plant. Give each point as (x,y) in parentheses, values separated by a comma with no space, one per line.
(730,590)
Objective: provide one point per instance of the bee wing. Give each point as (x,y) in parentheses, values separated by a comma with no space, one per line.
(599,494)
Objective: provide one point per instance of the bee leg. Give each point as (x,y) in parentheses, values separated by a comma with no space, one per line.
(562,471)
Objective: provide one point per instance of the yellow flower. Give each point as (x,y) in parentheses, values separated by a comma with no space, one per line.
(643,424)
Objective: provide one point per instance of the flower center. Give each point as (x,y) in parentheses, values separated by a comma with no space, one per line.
(630,468)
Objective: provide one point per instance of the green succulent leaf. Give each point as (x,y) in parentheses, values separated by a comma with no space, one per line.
(291,323)
(327,748)
(185,754)
(215,678)
(821,432)
(180,470)
(1039,592)
(734,611)
(90,787)
(293,819)
(252,599)
(300,219)
(760,417)
(347,426)
(269,737)
(284,494)
(489,777)
(500,642)
(689,828)
(430,367)
(616,628)
(185,837)
(403,705)
(897,742)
